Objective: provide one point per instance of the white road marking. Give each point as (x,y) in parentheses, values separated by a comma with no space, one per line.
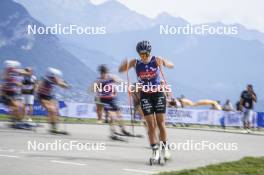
(9,156)
(68,163)
(30,152)
(23,152)
(7,150)
(140,171)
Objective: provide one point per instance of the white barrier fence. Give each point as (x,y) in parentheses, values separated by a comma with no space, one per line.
(188,116)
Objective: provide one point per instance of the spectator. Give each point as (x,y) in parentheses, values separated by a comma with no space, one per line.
(247,100)
(228,106)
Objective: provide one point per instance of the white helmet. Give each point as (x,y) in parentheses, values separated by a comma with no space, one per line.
(52,72)
(12,64)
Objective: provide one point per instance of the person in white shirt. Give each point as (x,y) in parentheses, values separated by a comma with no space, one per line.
(28,90)
(228,106)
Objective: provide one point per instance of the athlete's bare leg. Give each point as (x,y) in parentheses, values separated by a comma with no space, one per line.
(161,125)
(99,111)
(24,110)
(15,110)
(163,135)
(50,105)
(111,121)
(30,112)
(151,123)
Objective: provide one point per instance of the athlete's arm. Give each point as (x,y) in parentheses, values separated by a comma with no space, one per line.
(35,83)
(23,72)
(164,62)
(254,96)
(94,87)
(38,83)
(62,83)
(35,86)
(126,65)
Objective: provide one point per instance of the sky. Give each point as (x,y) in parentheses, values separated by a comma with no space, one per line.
(250,13)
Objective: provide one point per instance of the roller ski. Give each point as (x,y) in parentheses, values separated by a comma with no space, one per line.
(23,126)
(160,156)
(117,138)
(128,134)
(33,124)
(57,132)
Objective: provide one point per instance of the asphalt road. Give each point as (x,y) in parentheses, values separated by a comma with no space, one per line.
(110,157)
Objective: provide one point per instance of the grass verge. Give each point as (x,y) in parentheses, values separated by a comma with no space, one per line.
(245,166)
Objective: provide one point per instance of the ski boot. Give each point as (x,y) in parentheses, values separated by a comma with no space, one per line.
(155,157)
(21,125)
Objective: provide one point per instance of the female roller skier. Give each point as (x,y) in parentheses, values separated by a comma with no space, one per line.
(152,96)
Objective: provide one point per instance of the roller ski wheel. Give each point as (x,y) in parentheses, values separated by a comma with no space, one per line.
(160,161)
(155,161)
(56,132)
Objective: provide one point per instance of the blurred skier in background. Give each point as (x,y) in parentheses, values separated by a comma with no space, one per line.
(45,93)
